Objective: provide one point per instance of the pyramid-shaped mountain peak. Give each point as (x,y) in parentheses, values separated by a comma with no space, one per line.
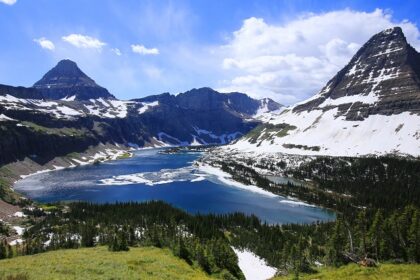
(66,80)
(383,77)
(68,67)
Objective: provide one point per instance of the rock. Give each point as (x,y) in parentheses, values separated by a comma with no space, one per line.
(367,262)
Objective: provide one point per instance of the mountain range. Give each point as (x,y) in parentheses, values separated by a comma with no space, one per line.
(370,107)
(66,111)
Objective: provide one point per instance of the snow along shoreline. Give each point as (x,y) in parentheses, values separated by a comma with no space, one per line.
(205,171)
(101,153)
(227,179)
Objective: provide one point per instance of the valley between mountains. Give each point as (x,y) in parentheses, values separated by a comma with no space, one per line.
(352,150)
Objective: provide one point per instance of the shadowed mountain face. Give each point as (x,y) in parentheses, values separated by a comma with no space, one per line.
(67,81)
(382,78)
(202,115)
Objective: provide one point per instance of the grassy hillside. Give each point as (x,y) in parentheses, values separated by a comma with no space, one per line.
(355,272)
(99,263)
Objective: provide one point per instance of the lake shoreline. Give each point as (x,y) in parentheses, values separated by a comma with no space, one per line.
(177,179)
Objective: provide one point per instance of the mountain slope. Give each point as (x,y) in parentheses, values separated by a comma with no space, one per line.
(372,106)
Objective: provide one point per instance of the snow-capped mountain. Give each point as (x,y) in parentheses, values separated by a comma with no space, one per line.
(371,106)
(67,111)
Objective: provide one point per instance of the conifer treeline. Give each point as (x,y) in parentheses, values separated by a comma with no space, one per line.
(342,184)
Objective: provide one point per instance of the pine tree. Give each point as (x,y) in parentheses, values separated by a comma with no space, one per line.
(361,229)
(122,241)
(3,252)
(336,244)
(113,245)
(88,235)
(9,251)
(294,255)
(184,253)
(131,236)
(376,234)
(203,260)
(414,238)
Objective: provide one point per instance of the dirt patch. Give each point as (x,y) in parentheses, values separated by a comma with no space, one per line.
(7,210)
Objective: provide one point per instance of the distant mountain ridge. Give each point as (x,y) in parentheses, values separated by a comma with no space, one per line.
(371,106)
(67,111)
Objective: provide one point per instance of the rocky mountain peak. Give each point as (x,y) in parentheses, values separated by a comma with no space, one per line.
(383,77)
(209,99)
(67,81)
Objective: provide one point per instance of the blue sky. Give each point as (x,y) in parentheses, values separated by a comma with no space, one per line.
(286,50)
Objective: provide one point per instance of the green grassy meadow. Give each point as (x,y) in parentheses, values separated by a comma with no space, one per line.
(99,263)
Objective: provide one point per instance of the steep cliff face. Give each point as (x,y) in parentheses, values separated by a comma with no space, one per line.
(371,106)
(67,81)
(199,116)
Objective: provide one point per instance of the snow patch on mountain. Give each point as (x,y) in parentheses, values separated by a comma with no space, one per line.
(69,98)
(324,133)
(222,139)
(146,106)
(264,112)
(5,118)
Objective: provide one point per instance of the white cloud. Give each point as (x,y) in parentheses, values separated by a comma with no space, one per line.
(8,2)
(83,41)
(140,49)
(116,51)
(292,61)
(45,43)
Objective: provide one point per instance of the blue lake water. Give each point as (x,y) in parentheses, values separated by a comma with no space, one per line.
(151,175)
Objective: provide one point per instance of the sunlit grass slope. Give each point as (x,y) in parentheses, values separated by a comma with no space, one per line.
(99,263)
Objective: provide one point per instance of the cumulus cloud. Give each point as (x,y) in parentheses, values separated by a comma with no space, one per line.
(292,61)
(45,43)
(8,2)
(140,49)
(83,41)
(116,51)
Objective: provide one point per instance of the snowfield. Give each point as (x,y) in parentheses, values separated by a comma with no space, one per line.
(323,133)
(253,267)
